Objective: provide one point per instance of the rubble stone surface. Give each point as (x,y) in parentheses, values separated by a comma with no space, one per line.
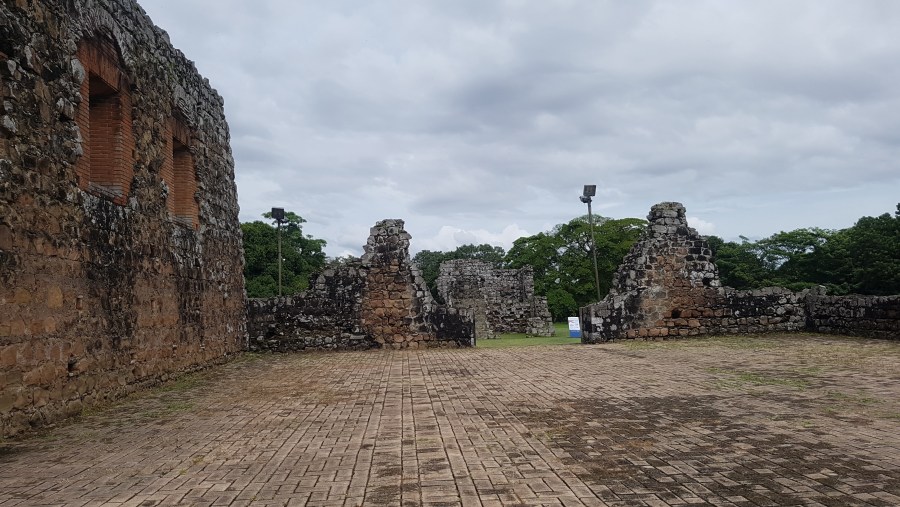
(120,247)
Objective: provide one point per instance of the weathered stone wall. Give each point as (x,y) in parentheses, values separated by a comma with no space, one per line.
(378,301)
(502,300)
(668,285)
(120,247)
(326,316)
(874,316)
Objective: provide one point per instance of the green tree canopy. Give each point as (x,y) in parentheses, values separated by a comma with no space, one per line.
(562,262)
(873,249)
(862,259)
(302,256)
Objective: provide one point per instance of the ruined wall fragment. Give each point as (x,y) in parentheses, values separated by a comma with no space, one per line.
(378,301)
(327,316)
(668,286)
(872,316)
(120,247)
(502,300)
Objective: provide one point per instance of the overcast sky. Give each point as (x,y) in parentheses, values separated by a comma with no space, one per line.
(478,121)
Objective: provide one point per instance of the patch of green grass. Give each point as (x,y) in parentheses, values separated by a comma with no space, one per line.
(561,328)
(508,340)
(739,378)
(860,399)
(247,357)
(173,407)
(181,384)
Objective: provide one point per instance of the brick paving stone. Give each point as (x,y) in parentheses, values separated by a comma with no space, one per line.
(752,421)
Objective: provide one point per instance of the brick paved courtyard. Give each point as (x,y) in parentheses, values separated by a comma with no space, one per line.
(798,420)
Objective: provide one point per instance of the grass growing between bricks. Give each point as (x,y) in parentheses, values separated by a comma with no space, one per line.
(738,378)
(744,342)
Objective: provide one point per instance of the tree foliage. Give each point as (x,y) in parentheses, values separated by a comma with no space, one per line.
(862,259)
(302,256)
(562,261)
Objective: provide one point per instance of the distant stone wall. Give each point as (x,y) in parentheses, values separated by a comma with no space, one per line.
(874,316)
(502,300)
(120,247)
(668,285)
(378,301)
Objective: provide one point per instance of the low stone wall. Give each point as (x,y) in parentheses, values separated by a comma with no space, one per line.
(668,286)
(874,316)
(327,316)
(718,311)
(379,300)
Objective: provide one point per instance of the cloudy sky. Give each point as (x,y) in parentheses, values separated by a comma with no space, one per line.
(479,121)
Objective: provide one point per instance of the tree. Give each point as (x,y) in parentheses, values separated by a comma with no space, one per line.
(863,259)
(302,256)
(739,267)
(562,262)
(430,262)
(874,251)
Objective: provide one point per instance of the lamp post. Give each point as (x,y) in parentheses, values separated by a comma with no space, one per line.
(278,215)
(590,191)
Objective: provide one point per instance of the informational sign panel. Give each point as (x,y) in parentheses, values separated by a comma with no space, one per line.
(574,328)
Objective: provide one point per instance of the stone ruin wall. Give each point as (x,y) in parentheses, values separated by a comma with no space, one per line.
(502,300)
(668,286)
(379,300)
(120,246)
(872,316)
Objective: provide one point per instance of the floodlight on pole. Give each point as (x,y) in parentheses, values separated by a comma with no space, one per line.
(278,215)
(591,191)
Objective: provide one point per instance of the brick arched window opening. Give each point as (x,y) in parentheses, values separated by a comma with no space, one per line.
(106,167)
(180,174)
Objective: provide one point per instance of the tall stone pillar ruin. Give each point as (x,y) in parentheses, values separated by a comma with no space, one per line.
(397,303)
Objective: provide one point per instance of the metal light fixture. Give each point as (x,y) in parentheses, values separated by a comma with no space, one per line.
(591,191)
(278,215)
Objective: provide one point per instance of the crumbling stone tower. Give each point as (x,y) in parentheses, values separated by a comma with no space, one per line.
(668,285)
(397,302)
(120,247)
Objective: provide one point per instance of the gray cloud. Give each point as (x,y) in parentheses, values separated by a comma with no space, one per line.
(475,119)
